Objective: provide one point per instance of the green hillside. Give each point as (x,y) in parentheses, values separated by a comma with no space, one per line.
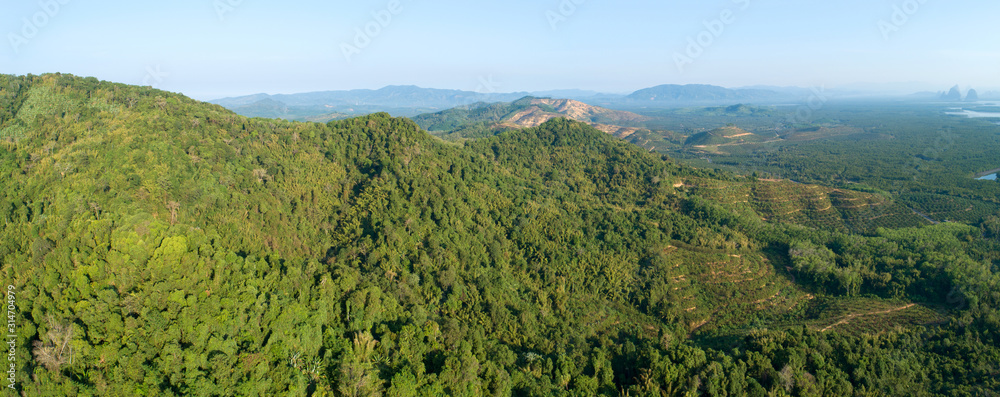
(162,246)
(729,135)
(472,115)
(487,119)
(808,205)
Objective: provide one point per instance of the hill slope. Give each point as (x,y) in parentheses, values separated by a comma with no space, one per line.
(159,245)
(723,136)
(483,119)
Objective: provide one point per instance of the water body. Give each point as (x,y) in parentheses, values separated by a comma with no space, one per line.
(972,115)
(990,177)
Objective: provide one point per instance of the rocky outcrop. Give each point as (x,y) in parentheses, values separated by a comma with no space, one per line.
(954,95)
(972,96)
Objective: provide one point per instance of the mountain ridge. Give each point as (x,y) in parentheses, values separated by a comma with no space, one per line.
(410,100)
(702,93)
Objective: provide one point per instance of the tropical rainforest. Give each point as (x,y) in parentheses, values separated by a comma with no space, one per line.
(151,244)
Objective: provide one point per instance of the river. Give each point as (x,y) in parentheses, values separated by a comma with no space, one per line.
(973,115)
(990,175)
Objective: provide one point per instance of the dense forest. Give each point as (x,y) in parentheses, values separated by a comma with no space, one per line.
(157,245)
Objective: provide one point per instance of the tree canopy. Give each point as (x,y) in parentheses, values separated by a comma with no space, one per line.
(164,246)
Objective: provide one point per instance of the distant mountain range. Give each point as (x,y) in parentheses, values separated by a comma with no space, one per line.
(391,96)
(698,93)
(412,100)
(399,100)
(409,101)
(955,95)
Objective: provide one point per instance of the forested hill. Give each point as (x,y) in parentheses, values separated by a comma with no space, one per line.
(487,119)
(162,246)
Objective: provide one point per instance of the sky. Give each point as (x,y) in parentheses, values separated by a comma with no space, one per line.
(209,49)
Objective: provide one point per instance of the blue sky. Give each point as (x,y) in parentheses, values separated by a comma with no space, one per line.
(214,48)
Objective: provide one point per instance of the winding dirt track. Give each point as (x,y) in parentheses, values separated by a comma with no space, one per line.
(848,319)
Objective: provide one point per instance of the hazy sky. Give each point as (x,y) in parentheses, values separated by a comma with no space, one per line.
(213,48)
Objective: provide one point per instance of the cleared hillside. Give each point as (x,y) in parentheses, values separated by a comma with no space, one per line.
(730,135)
(808,205)
(483,120)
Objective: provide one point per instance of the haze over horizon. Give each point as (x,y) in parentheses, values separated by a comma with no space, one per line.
(213,49)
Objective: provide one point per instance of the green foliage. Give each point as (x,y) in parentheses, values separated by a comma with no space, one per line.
(476,114)
(162,246)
